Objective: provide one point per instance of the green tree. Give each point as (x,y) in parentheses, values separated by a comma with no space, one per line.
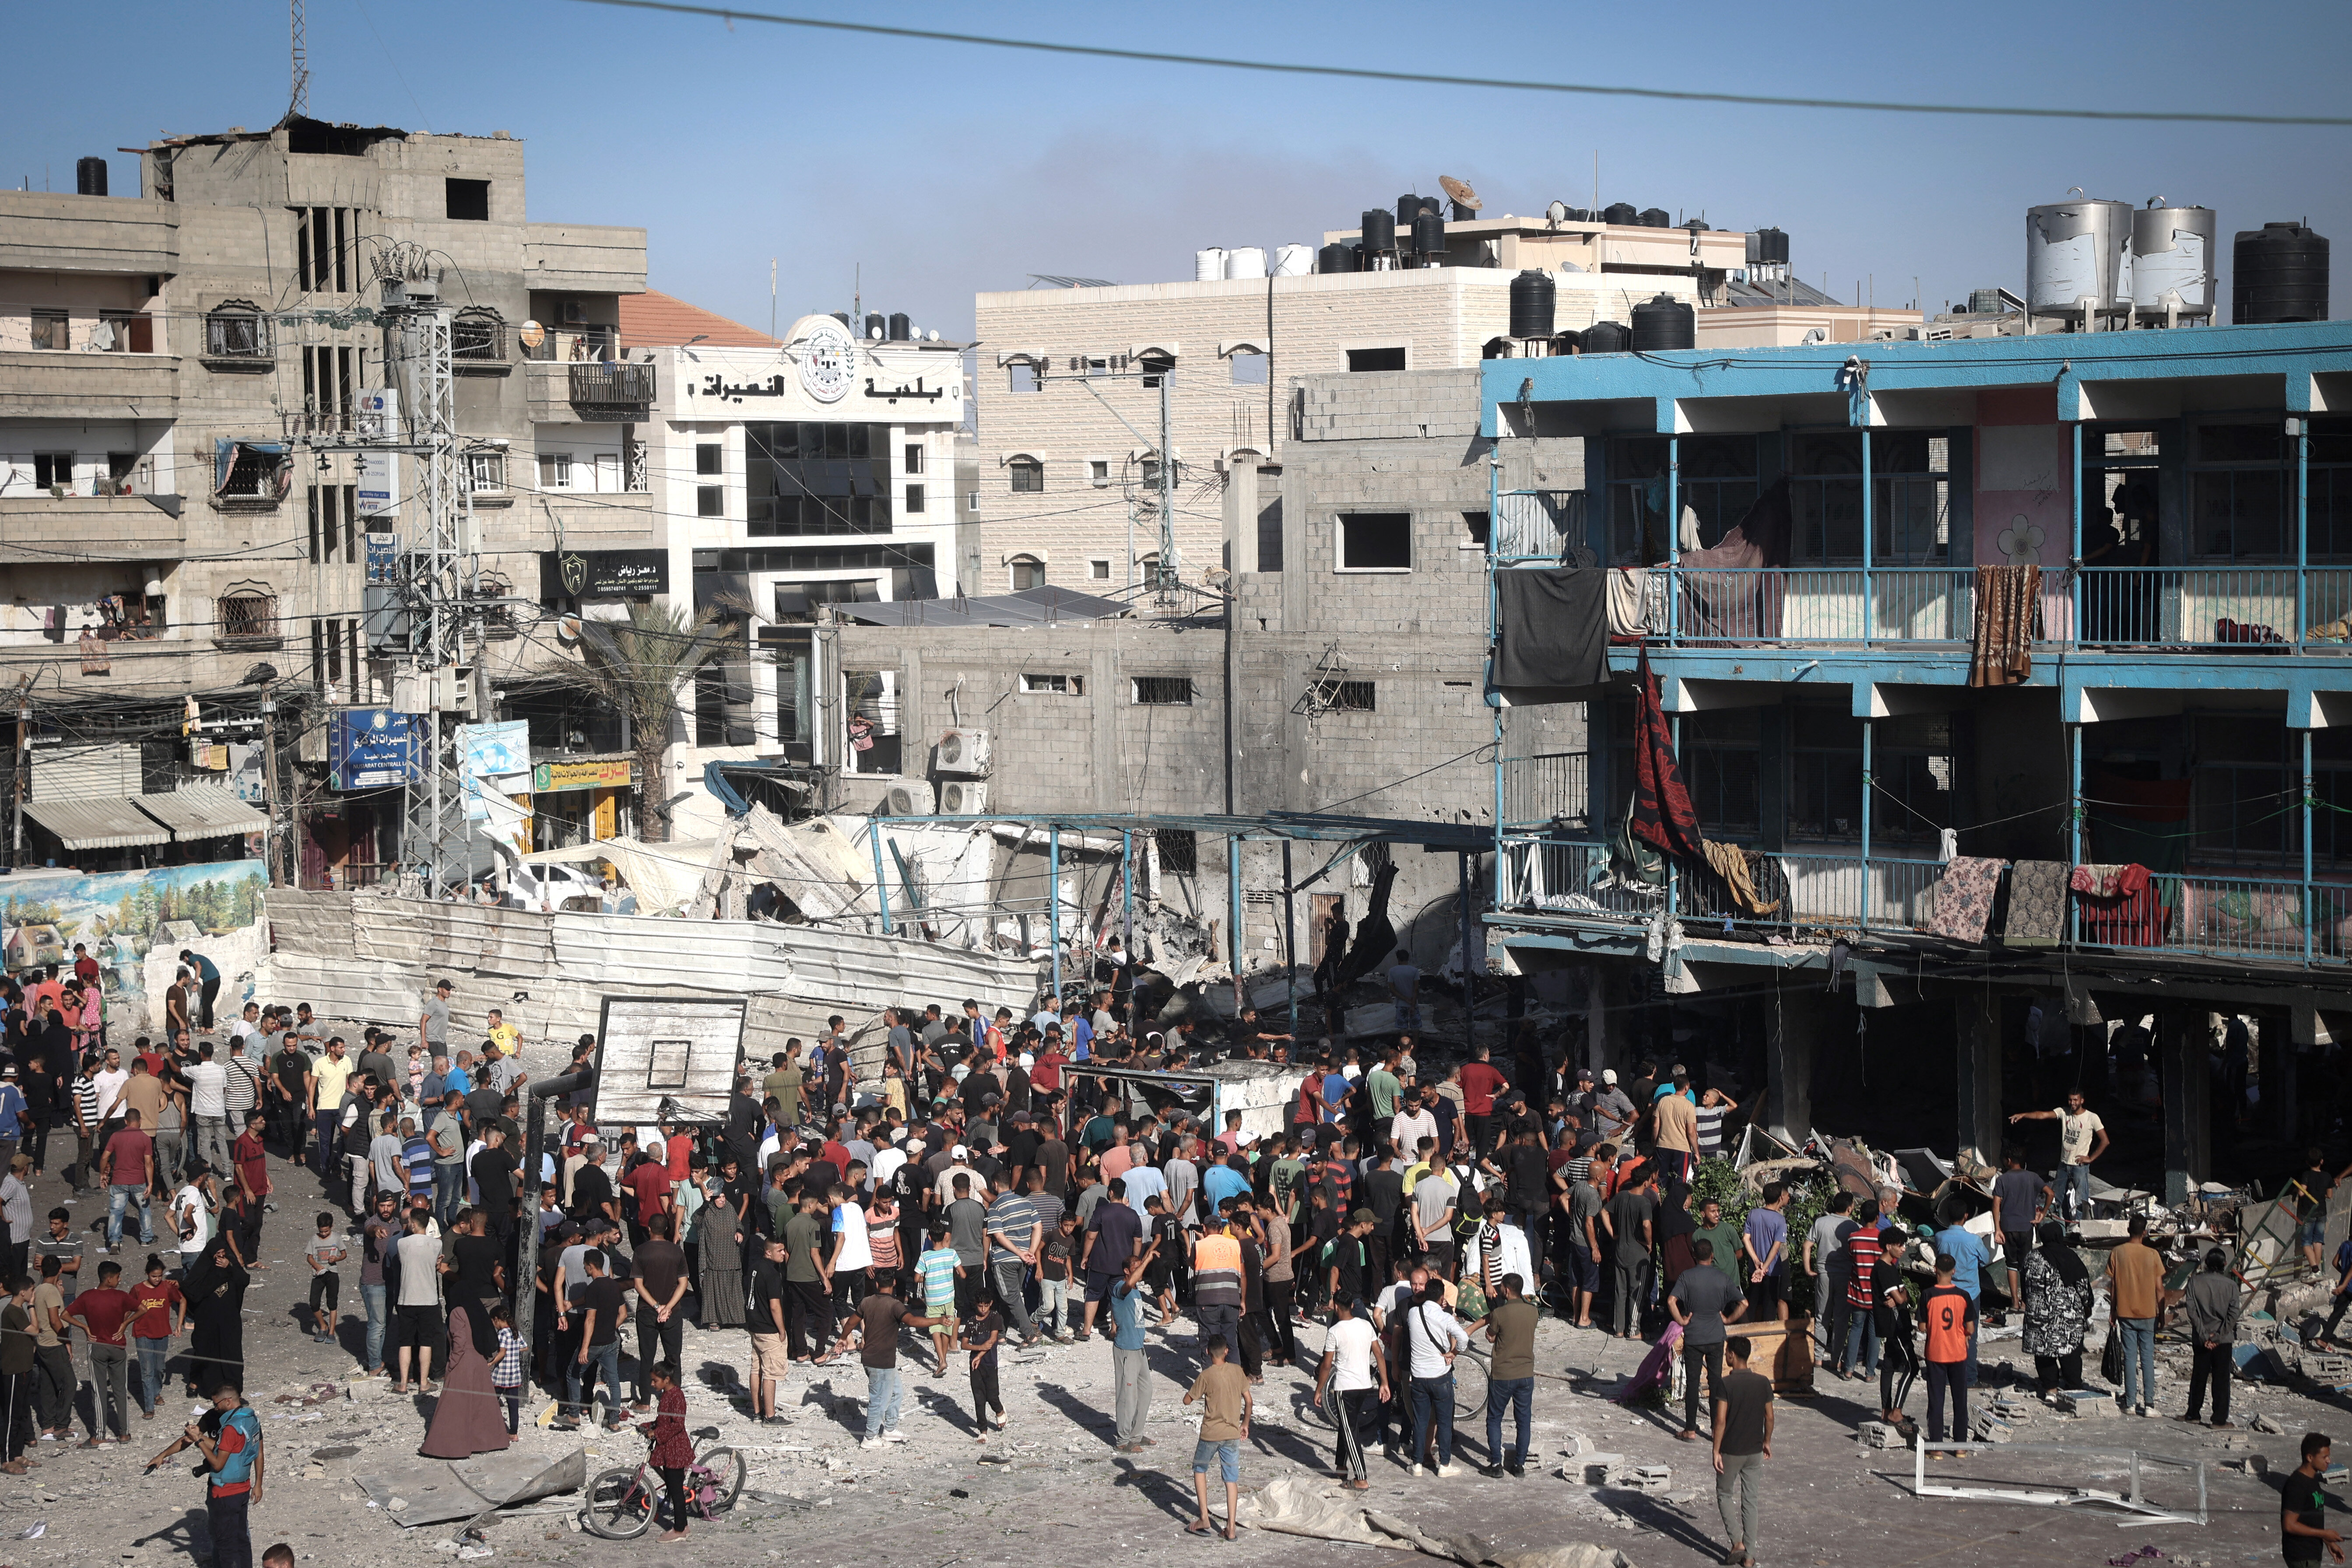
(637,668)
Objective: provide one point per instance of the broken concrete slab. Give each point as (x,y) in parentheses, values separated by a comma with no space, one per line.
(412,1491)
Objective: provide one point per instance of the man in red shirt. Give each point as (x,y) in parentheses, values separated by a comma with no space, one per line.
(648,1181)
(250,1164)
(85,966)
(102,1314)
(161,1311)
(1480,1083)
(1045,1071)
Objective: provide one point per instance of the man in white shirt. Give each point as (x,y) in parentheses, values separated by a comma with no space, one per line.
(1413,1123)
(111,1080)
(208,1106)
(1497,1249)
(1432,1338)
(192,1218)
(1355,1366)
(248,1023)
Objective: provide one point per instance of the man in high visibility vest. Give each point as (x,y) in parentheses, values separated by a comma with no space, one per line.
(1950,1320)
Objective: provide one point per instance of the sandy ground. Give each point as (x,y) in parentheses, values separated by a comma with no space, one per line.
(1050,1487)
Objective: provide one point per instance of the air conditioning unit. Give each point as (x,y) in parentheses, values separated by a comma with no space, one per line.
(910,797)
(964,797)
(962,752)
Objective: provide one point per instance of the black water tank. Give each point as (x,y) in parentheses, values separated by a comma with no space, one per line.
(1429,236)
(874,324)
(1620,211)
(901,328)
(1653,217)
(1412,207)
(1772,246)
(1336,257)
(843,317)
(1665,322)
(1606,338)
(2278,273)
(1568,343)
(89,177)
(1532,296)
(1380,232)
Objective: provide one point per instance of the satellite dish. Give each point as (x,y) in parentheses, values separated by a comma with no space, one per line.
(532,334)
(1557,212)
(1459,193)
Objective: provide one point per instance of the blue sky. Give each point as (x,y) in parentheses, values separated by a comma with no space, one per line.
(943,170)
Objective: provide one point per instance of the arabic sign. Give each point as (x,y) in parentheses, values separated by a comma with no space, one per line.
(492,759)
(602,573)
(828,380)
(383,557)
(610,773)
(377,412)
(368,748)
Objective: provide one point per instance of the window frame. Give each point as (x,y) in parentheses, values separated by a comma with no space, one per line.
(1015,566)
(559,466)
(1339,551)
(711,500)
(1161,691)
(53,482)
(244,312)
(254,620)
(1337,695)
(912,501)
(709,457)
(1032,469)
(55,326)
(1050,683)
(493,463)
(1403,354)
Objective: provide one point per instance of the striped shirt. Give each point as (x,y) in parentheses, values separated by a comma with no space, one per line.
(1861,1256)
(417,1151)
(240,1090)
(937,1268)
(85,1090)
(1216,1271)
(1710,1129)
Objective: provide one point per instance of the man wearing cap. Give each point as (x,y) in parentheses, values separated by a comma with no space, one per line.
(1614,1109)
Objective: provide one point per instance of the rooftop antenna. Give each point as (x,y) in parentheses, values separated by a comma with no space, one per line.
(301,103)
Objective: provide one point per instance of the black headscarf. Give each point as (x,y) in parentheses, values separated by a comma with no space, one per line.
(2061,1256)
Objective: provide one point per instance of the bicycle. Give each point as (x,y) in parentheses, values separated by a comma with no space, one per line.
(622,1502)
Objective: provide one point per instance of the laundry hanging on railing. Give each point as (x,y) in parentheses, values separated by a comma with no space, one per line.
(2002,651)
(1551,630)
(1732,864)
(1664,816)
(1629,603)
(1726,592)
(1964,898)
(2037,902)
(2109,881)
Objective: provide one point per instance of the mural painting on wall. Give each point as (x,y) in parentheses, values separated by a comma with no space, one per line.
(135,924)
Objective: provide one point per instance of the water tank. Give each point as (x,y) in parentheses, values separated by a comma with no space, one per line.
(1412,207)
(1620,211)
(875,325)
(1768,246)
(1336,257)
(1429,236)
(2075,250)
(1209,265)
(1532,296)
(1379,233)
(901,328)
(1654,218)
(841,316)
(1293,260)
(1665,322)
(89,177)
(2172,251)
(1246,261)
(2278,273)
(1607,338)
(1568,343)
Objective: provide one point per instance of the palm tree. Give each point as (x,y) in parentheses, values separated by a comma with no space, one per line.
(636,667)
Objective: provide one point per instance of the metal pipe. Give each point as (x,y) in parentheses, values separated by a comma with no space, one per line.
(2074,556)
(2300,429)
(1869,730)
(2310,911)
(1127,889)
(534,1151)
(1054,905)
(1869,599)
(1674,537)
(1234,907)
(881,883)
(1290,938)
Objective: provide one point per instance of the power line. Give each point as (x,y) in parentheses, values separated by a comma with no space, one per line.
(1429,78)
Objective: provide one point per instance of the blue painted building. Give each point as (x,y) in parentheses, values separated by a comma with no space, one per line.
(2170,688)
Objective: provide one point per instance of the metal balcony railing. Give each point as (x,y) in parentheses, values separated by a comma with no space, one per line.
(612,386)
(1544,789)
(2197,913)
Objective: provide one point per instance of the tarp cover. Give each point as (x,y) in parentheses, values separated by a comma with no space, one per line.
(1552,628)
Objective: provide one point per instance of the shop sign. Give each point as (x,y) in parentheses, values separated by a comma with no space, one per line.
(602,573)
(369,748)
(550,777)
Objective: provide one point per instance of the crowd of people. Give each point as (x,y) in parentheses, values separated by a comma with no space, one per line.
(988,1182)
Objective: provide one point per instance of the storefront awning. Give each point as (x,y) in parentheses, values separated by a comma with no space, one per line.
(203,811)
(97,824)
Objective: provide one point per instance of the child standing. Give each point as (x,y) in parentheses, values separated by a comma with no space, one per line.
(981,1337)
(324,1252)
(506,1368)
(673,1449)
(1053,1277)
(939,1267)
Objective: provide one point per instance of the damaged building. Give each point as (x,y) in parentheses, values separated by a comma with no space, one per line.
(2004,677)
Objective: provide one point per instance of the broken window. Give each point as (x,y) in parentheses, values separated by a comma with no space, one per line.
(1053,685)
(52,470)
(478,333)
(236,329)
(486,471)
(468,201)
(1180,850)
(1162,690)
(322,243)
(1375,359)
(1344,696)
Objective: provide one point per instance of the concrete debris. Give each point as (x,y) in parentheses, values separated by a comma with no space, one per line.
(2248,1464)
(1879,1435)
(2265,1423)
(1646,1478)
(2086,1401)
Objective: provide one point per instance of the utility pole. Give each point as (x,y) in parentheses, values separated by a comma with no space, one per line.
(1168,561)
(22,769)
(300,103)
(269,784)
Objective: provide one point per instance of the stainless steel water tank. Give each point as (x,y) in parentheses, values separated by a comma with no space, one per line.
(2077,250)
(2172,251)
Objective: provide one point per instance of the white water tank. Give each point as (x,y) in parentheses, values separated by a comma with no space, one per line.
(2172,252)
(2077,250)
(1209,265)
(1293,260)
(1246,261)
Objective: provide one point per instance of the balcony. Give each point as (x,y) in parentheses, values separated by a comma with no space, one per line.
(589,393)
(114,526)
(75,384)
(1545,881)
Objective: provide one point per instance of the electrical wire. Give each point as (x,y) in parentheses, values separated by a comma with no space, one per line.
(1431,78)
